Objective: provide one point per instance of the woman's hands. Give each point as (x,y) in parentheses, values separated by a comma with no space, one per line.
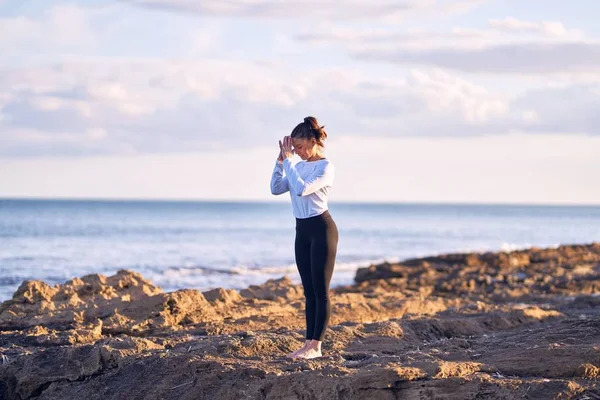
(285,148)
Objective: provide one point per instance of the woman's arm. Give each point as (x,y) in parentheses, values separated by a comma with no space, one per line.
(279,183)
(322,176)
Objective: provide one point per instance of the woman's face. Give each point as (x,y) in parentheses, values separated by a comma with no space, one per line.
(303,147)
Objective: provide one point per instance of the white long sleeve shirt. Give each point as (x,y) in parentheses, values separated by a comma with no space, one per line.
(308,182)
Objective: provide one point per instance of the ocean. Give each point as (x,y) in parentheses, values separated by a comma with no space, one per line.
(203,245)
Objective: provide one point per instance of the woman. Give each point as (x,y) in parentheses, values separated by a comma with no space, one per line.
(309,182)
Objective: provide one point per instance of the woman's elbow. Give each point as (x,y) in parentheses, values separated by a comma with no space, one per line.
(303,192)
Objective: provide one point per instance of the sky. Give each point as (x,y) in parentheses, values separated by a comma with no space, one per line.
(443,101)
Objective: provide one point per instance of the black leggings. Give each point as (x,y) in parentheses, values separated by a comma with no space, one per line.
(316,248)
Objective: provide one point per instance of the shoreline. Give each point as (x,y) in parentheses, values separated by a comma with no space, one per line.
(452,326)
(293,274)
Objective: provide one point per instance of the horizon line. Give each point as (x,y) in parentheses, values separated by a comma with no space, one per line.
(260,201)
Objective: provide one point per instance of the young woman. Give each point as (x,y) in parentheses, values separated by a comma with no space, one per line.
(309,182)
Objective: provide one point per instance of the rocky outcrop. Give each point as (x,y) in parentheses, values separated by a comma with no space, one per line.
(524,274)
(524,324)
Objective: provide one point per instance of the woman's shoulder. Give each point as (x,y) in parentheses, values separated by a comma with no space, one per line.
(322,163)
(325,165)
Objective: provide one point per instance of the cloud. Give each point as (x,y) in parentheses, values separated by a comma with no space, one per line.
(384,37)
(158,106)
(547,28)
(105,104)
(104,31)
(324,9)
(61,27)
(513,58)
(128,106)
(565,109)
(497,33)
(144,106)
(508,45)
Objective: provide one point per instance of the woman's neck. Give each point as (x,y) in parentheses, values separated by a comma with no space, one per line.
(316,157)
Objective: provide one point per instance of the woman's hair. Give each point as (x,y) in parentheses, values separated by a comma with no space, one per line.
(310,129)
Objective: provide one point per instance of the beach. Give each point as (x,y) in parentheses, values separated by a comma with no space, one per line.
(497,325)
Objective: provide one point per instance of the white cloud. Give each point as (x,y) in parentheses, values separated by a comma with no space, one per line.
(323,9)
(509,58)
(145,105)
(506,46)
(60,28)
(381,38)
(156,106)
(391,37)
(572,108)
(547,28)
(160,106)
(66,32)
(105,105)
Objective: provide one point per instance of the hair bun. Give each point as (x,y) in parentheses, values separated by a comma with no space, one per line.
(310,128)
(322,133)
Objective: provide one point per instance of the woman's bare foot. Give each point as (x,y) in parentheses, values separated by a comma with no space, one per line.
(312,350)
(294,354)
(310,353)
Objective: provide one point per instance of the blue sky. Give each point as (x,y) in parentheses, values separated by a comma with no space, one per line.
(423,100)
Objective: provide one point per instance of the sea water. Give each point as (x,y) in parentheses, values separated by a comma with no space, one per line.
(235,244)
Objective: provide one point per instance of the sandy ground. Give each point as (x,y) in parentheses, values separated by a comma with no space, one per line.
(519,325)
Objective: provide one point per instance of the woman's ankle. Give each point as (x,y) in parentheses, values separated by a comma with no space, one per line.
(315,344)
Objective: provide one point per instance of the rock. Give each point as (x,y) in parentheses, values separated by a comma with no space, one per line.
(223,295)
(274,289)
(521,324)
(30,376)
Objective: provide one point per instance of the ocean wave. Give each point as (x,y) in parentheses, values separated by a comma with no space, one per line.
(239,277)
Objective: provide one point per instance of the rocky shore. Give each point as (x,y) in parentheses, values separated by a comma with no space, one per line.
(524,324)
